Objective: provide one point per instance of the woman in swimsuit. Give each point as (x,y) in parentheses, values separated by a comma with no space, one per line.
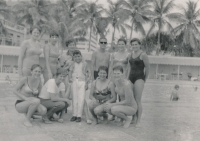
(30,52)
(101,92)
(27,90)
(138,74)
(51,55)
(127,105)
(120,57)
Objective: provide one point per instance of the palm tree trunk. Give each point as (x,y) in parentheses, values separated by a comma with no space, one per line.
(90,38)
(131,31)
(113,36)
(158,43)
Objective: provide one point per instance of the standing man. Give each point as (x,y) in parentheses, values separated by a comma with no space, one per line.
(100,58)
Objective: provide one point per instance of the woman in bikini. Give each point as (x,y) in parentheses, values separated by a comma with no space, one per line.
(127,105)
(51,55)
(101,92)
(138,74)
(30,52)
(120,58)
(27,90)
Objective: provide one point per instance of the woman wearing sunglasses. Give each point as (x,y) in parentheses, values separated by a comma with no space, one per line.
(120,58)
(51,55)
(101,92)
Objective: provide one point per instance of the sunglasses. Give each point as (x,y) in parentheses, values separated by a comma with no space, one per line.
(103,43)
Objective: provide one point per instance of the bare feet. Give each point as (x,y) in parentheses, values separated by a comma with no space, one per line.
(127,123)
(28,124)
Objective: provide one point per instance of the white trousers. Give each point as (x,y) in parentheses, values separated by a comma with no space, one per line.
(78,97)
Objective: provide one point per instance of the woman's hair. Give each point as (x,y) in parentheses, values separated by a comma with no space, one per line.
(76,52)
(35,66)
(123,40)
(35,27)
(135,40)
(120,68)
(53,33)
(176,86)
(103,68)
(69,42)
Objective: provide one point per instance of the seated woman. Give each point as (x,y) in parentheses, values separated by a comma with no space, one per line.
(101,92)
(127,106)
(27,90)
(51,99)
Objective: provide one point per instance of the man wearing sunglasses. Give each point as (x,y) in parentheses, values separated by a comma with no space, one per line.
(101,57)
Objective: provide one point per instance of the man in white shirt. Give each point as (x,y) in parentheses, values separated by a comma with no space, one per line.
(50,96)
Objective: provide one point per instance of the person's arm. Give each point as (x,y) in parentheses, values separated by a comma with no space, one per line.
(93,64)
(128,95)
(70,73)
(111,66)
(128,67)
(19,85)
(91,96)
(21,57)
(146,64)
(46,57)
(113,93)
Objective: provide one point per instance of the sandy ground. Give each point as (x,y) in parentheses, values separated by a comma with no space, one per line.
(162,120)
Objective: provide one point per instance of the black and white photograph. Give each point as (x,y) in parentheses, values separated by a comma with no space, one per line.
(100,70)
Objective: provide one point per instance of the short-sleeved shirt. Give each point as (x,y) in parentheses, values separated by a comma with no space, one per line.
(51,87)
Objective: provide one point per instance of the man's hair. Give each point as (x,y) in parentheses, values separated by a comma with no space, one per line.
(76,52)
(69,42)
(119,67)
(103,68)
(102,38)
(35,66)
(35,27)
(54,33)
(60,71)
(135,40)
(123,40)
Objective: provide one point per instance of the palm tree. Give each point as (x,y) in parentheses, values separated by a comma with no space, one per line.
(33,12)
(63,19)
(117,16)
(161,9)
(139,12)
(89,15)
(189,22)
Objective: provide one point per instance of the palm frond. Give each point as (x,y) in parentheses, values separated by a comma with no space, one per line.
(168,7)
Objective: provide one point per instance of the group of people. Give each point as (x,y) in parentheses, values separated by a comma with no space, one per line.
(114,81)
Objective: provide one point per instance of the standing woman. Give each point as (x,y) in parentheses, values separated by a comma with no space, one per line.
(27,90)
(51,54)
(120,58)
(139,71)
(30,52)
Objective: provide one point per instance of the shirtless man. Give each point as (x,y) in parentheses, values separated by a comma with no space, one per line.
(100,58)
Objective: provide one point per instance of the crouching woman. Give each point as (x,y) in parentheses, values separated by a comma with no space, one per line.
(27,90)
(101,92)
(127,105)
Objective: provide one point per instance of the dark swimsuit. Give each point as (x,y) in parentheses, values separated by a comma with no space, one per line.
(137,69)
(104,92)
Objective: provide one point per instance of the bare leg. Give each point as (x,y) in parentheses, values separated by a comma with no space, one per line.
(28,107)
(122,112)
(99,111)
(92,106)
(138,88)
